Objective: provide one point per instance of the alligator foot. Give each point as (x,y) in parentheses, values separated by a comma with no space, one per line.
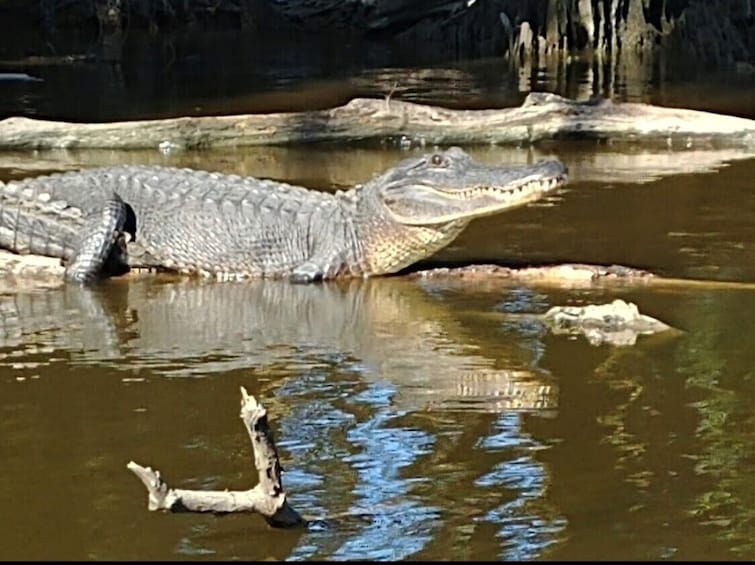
(101,249)
(307,273)
(305,278)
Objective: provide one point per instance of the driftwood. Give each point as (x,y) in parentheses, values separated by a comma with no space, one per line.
(615,323)
(29,271)
(267,498)
(541,116)
(568,275)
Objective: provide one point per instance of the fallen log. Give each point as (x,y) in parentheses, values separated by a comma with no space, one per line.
(542,116)
(24,272)
(267,498)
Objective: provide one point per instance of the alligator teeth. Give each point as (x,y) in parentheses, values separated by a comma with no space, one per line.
(142,270)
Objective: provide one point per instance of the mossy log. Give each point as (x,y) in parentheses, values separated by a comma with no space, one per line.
(542,116)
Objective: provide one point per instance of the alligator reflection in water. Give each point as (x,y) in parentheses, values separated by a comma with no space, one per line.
(386,330)
(398,351)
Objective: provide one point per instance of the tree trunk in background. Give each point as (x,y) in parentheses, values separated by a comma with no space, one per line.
(717,32)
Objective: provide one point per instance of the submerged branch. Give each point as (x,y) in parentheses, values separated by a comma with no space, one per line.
(541,116)
(267,498)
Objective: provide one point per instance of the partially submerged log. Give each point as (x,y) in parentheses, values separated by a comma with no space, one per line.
(541,116)
(267,498)
(33,271)
(569,275)
(615,323)
(566,274)
(19,272)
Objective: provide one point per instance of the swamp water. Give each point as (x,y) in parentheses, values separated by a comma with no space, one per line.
(444,424)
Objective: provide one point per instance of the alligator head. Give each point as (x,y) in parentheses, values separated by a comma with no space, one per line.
(422,204)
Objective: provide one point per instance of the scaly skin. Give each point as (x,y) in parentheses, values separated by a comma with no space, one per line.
(232,227)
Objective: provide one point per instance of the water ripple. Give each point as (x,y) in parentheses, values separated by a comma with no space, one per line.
(381,489)
(528,524)
(381,507)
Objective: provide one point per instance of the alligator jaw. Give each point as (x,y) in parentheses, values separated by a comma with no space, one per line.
(481,201)
(463,189)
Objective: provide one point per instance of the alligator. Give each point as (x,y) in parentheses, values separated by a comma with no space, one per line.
(103,222)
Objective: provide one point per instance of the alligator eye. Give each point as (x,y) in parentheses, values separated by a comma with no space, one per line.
(438,160)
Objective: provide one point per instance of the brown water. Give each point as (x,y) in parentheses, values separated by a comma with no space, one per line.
(442,424)
(461,432)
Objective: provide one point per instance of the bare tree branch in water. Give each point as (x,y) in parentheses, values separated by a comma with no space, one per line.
(267,498)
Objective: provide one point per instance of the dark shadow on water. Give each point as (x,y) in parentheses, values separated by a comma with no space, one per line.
(215,73)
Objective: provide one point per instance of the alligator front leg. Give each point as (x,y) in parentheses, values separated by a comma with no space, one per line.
(100,251)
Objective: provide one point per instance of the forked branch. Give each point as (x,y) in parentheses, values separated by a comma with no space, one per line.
(267,498)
